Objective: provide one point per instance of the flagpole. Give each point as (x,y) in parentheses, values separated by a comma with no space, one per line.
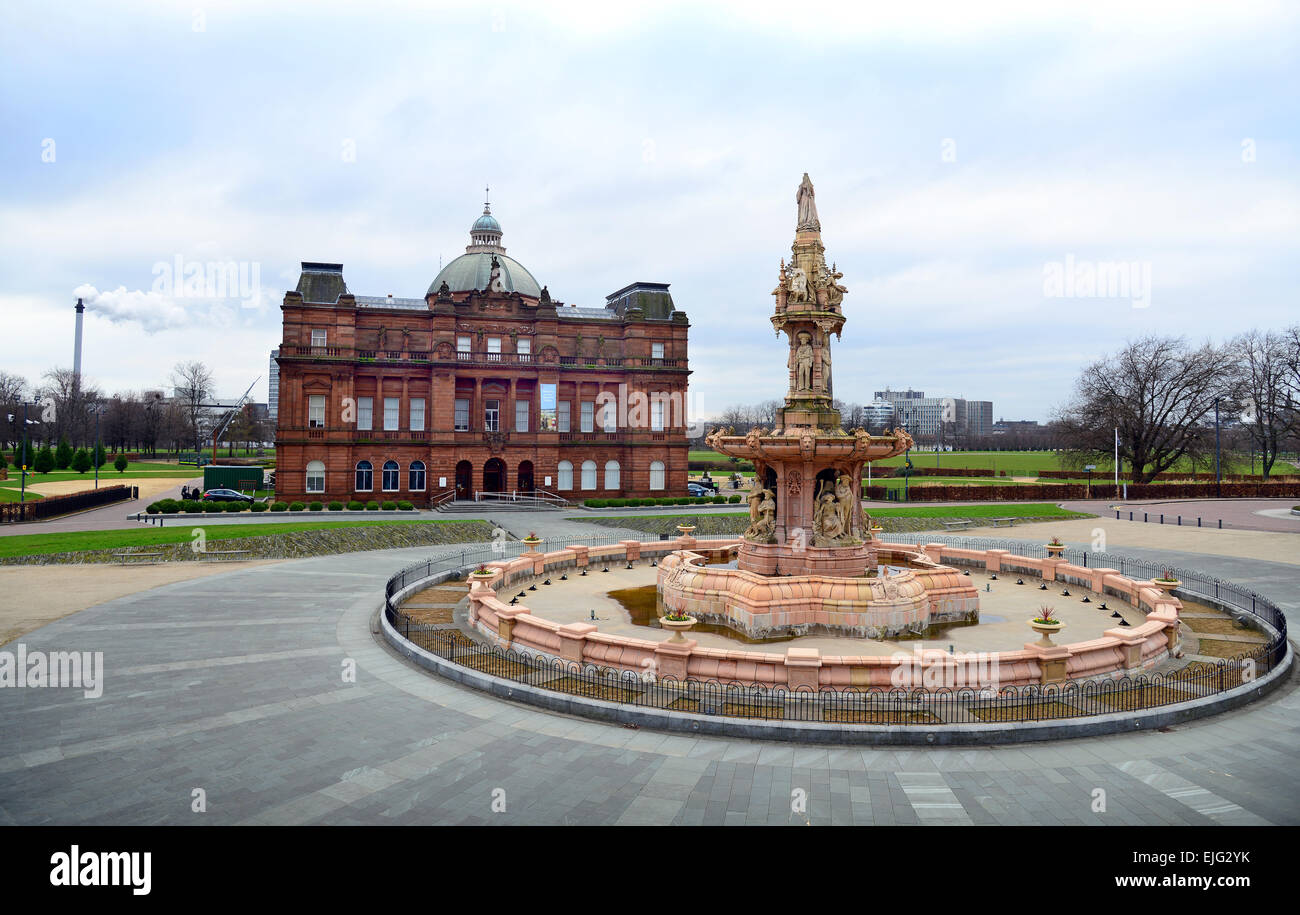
(1117,462)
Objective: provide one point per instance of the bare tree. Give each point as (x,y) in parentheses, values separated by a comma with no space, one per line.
(193,385)
(1156,391)
(1262,364)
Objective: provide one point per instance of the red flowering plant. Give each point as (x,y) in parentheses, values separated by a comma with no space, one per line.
(677,616)
(1045,616)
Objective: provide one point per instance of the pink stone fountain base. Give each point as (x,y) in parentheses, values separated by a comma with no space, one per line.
(785,559)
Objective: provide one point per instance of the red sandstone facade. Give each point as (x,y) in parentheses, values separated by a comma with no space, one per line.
(452,394)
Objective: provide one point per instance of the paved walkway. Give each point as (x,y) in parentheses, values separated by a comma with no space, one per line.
(236,684)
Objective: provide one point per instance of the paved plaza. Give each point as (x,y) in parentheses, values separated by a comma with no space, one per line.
(234,683)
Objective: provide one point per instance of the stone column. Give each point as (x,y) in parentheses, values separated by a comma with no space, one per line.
(572,638)
(671,658)
(801,668)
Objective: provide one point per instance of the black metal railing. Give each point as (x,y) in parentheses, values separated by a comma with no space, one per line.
(52,506)
(921,706)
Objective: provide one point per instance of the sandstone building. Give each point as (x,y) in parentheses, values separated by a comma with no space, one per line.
(487,385)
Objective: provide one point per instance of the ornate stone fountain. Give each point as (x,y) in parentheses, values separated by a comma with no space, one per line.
(808,557)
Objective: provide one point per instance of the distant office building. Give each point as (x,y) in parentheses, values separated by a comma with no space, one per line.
(921,415)
(879,413)
(273,393)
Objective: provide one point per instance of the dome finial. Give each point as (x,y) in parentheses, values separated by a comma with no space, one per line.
(487,199)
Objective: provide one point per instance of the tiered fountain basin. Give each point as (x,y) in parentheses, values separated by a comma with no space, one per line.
(1117,652)
(907,593)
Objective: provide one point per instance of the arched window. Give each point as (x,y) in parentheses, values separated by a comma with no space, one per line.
(656,474)
(588,474)
(365,477)
(316,476)
(565,478)
(392,477)
(417,476)
(611,475)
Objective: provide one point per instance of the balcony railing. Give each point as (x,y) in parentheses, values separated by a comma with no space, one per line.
(472,358)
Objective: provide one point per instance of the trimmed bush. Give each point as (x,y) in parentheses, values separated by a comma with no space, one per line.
(120,464)
(81,461)
(372,506)
(405,506)
(316,507)
(336,506)
(355,506)
(280,507)
(390,506)
(258,506)
(153,508)
(296,506)
(44,460)
(235,505)
(63,454)
(733,499)
(719,500)
(191,506)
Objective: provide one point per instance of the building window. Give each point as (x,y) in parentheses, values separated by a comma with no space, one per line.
(564,480)
(392,411)
(417,414)
(656,413)
(656,474)
(588,474)
(365,477)
(588,412)
(318,338)
(316,411)
(492,415)
(524,347)
(416,476)
(315,476)
(391,476)
(562,414)
(494,349)
(462,415)
(611,475)
(656,350)
(365,413)
(521,415)
(462,349)
(609,416)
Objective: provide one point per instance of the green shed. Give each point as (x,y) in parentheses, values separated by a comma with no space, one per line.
(221,476)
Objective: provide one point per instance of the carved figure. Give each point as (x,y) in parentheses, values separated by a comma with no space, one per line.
(798,285)
(826,366)
(762,514)
(803,362)
(827,520)
(845,502)
(805,197)
(495,282)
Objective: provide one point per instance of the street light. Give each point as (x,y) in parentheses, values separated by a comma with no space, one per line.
(26,459)
(98,410)
(1090,468)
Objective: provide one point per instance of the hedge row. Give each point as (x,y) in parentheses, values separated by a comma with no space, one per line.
(728,466)
(1054,492)
(666,500)
(191,506)
(1188,477)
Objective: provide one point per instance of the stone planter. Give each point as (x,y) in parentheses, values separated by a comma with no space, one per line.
(686,529)
(1055,551)
(1166,584)
(678,627)
(482,577)
(1046,630)
(533,543)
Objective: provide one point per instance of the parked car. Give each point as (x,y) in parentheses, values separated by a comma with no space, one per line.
(226,495)
(697,489)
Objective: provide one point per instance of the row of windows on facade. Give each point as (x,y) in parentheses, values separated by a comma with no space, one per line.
(391,475)
(523,345)
(491,414)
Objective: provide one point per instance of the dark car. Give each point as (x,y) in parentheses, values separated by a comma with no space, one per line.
(226,495)
(696,489)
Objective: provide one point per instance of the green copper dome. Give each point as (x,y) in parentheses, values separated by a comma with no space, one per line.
(471,271)
(486,223)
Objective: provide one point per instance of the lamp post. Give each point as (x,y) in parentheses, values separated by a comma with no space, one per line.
(27,458)
(1090,468)
(1218,476)
(94,454)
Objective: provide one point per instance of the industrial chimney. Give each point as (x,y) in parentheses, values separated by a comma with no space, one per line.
(76,351)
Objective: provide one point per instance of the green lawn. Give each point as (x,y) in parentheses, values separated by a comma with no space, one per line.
(43,544)
(997,510)
(15,494)
(107,474)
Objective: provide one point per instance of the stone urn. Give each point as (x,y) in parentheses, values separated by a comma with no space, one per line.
(678,627)
(686,529)
(1166,584)
(532,541)
(1055,550)
(1046,630)
(482,576)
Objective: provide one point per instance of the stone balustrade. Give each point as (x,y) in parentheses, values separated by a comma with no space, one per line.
(1120,651)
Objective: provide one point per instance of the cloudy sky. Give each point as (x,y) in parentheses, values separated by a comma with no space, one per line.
(963,154)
